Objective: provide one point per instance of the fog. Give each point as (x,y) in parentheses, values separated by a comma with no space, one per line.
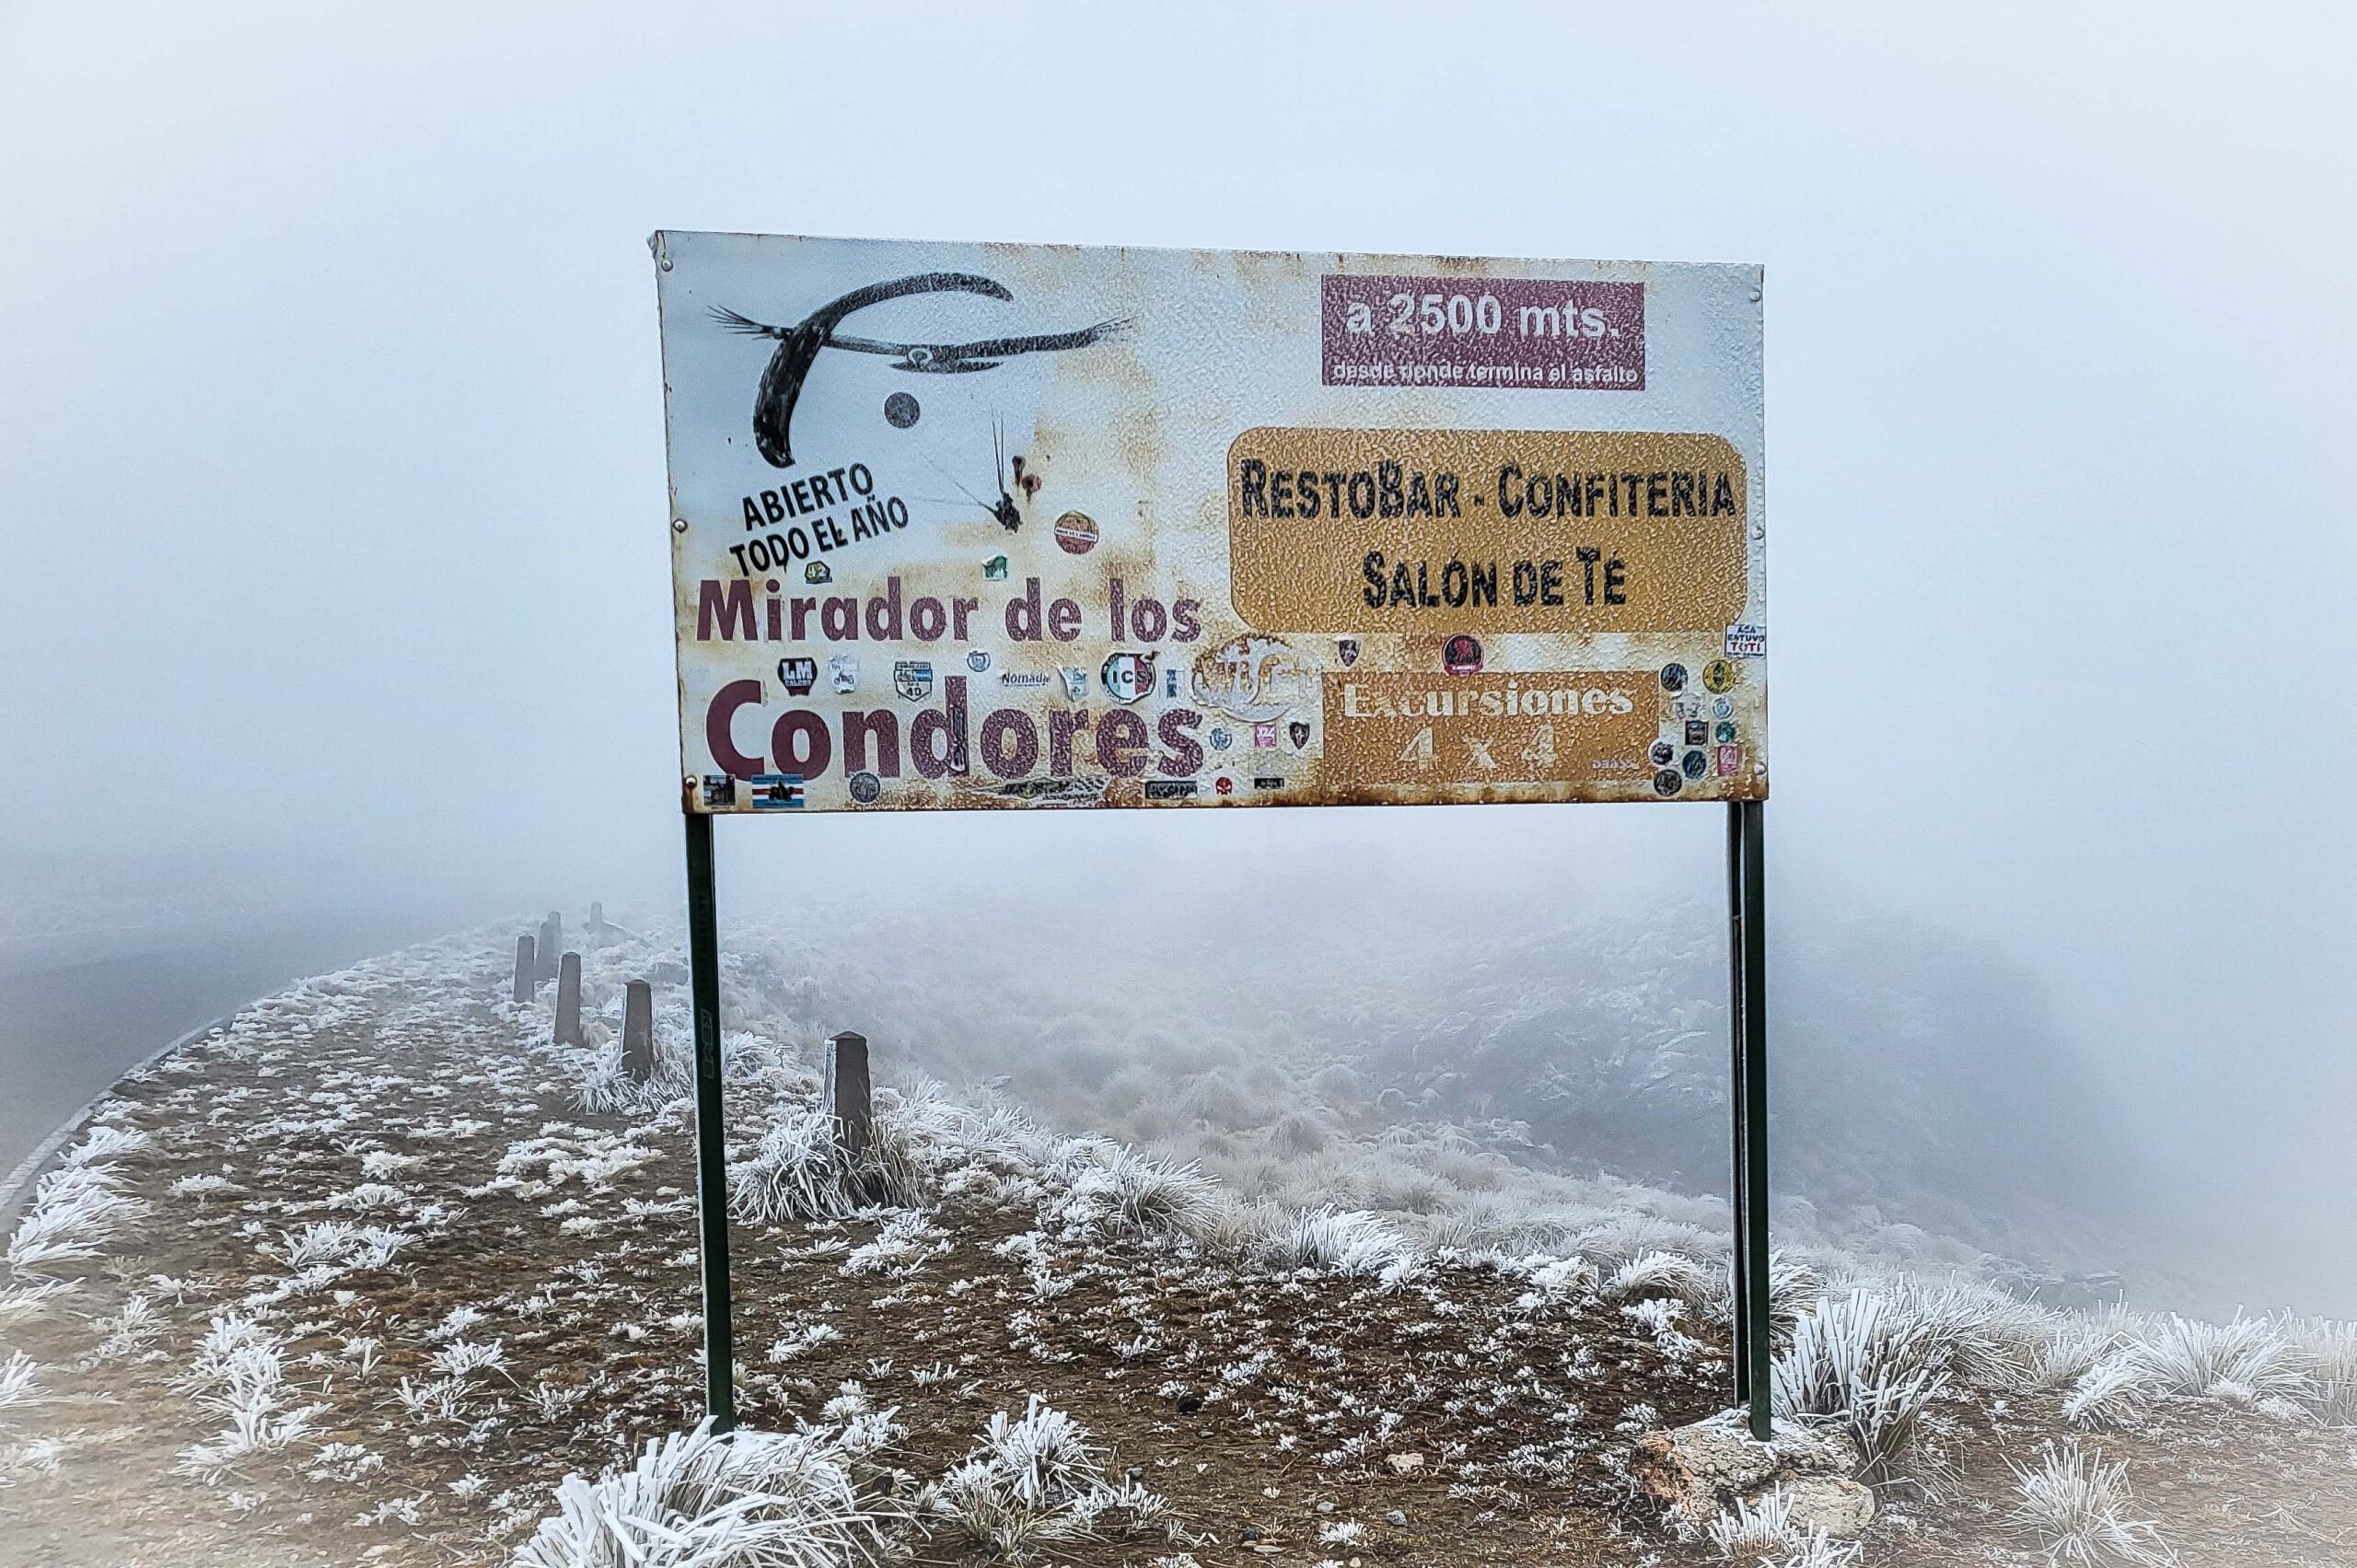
(333,489)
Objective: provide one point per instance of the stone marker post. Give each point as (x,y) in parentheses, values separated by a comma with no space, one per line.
(527,968)
(846,1092)
(638,1031)
(552,944)
(596,919)
(568,1002)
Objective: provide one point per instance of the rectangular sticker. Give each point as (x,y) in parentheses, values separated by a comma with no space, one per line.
(1485,530)
(1392,728)
(1546,334)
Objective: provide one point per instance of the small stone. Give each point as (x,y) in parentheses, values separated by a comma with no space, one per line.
(1268,1491)
(1404,1464)
(1396,1518)
(1325,1507)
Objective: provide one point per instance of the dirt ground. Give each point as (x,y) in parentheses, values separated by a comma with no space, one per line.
(1452,1420)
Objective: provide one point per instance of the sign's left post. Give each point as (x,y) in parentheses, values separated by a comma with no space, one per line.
(712,1148)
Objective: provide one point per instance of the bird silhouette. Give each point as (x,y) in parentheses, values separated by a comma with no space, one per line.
(799,346)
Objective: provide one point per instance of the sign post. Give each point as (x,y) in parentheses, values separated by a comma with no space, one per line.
(712,1138)
(968,526)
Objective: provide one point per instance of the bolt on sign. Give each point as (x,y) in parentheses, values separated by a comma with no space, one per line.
(963,526)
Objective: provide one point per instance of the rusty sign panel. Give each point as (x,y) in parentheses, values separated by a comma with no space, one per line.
(960,526)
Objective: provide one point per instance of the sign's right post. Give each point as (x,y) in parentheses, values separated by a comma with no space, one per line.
(1747,1031)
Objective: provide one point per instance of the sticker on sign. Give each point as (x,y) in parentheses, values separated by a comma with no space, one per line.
(1429,529)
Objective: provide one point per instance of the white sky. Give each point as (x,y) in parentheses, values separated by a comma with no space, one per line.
(331,484)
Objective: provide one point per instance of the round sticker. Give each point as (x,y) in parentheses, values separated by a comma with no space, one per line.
(1461,654)
(866,788)
(1663,754)
(900,411)
(1127,677)
(1725,732)
(1721,709)
(1696,764)
(1076,533)
(1667,782)
(1721,676)
(1673,677)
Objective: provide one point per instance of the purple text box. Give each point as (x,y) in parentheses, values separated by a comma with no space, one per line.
(1547,334)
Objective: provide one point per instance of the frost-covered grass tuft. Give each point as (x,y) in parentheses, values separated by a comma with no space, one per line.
(1862,1358)
(32,1299)
(2111,1394)
(75,1211)
(695,1500)
(339,1244)
(799,1170)
(2246,1359)
(238,1373)
(2073,1506)
(1035,1478)
(19,1386)
(106,1142)
(1336,1241)
(2327,1354)
(1116,1188)
(1750,1532)
(1655,1274)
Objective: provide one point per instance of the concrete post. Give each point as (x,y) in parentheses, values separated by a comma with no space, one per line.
(638,1031)
(552,944)
(568,1002)
(847,1094)
(527,968)
(597,920)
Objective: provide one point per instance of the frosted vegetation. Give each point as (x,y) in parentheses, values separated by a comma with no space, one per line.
(1287,1144)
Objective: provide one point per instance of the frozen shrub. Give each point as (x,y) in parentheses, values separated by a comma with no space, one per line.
(2112,1393)
(2073,1505)
(2071,1349)
(1858,1358)
(695,1500)
(800,1170)
(237,1373)
(338,1245)
(1117,1189)
(105,1142)
(1335,1242)
(1554,1281)
(1035,1478)
(75,1211)
(2326,1353)
(23,1303)
(2184,1356)
(19,1388)
(1793,1288)
(1662,1274)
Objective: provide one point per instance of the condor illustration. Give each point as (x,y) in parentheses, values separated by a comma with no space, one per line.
(799,346)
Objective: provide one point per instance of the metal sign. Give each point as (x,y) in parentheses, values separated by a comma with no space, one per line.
(974,526)
(1009,525)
